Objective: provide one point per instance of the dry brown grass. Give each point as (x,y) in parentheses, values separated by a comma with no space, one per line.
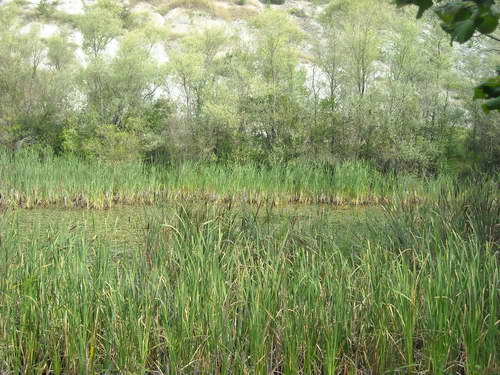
(241,12)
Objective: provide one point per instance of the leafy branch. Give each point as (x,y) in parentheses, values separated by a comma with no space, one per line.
(461,19)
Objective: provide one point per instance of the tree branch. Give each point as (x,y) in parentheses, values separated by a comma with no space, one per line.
(492,37)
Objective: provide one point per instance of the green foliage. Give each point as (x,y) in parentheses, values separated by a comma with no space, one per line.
(461,19)
(100,24)
(422,5)
(45,8)
(60,52)
(489,90)
(372,86)
(297,12)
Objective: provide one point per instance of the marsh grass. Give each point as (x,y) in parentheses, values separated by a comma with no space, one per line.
(29,181)
(245,290)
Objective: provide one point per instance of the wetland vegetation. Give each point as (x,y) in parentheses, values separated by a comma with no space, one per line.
(228,187)
(244,289)
(133,268)
(32,180)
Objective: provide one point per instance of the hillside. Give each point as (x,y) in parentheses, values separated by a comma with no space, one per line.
(178,17)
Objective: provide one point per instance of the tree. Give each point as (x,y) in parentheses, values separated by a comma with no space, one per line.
(196,72)
(462,19)
(36,76)
(99,25)
(278,82)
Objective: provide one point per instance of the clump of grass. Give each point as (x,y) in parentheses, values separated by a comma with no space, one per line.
(30,181)
(226,289)
(466,210)
(298,12)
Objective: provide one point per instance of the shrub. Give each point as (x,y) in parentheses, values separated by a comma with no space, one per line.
(274,2)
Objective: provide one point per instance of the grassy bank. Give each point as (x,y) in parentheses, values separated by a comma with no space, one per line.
(30,181)
(214,289)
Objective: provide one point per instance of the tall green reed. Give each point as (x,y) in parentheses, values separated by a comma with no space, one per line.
(226,289)
(30,180)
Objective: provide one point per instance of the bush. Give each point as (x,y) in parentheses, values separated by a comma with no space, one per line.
(274,2)
(298,12)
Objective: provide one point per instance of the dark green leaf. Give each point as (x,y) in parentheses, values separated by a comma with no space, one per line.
(492,105)
(463,31)
(488,89)
(454,11)
(485,4)
(460,19)
(488,25)
(479,93)
(422,5)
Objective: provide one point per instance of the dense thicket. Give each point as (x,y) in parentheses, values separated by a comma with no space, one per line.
(368,83)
